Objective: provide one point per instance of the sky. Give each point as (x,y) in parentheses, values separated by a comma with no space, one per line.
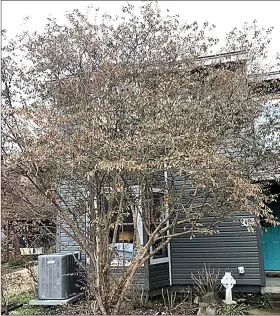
(224,14)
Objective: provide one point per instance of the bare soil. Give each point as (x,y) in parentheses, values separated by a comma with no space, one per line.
(19,281)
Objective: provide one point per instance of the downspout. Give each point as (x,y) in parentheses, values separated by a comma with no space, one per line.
(166,208)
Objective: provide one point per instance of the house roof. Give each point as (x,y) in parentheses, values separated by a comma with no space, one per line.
(265,176)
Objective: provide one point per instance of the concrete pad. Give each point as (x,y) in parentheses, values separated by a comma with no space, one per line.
(55,302)
(272,286)
(273,282)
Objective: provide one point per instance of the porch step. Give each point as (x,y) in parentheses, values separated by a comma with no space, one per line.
(272,286)
(274,300)
(270,290)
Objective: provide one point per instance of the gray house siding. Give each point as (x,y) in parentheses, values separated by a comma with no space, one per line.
(158,276)
(140,279)
(65,243)
(261,256)
(234,246)
(72,193)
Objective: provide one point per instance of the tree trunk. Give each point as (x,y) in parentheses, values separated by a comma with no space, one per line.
(127,280)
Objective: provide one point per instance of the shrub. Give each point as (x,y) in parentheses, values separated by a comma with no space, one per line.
(206,280)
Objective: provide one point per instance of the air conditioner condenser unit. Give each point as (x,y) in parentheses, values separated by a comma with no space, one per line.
(57,276)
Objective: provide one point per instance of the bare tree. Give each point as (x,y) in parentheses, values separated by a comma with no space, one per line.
(99,114)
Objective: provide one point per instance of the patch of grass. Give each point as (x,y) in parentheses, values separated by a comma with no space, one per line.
(21,298)
(241,309)
(30,310)
(24,298)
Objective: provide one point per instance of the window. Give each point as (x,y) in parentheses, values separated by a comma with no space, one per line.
(157,215)
(124,246)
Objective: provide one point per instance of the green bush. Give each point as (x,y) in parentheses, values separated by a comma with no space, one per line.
(235,310)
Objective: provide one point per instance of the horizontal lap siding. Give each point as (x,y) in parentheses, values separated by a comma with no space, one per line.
(71,194)
(158,276)
(66,243)
(234,246)
(140,278)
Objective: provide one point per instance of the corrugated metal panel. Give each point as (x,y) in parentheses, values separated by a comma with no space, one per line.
(158,276)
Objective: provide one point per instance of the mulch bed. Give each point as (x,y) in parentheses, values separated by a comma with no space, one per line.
(255,300)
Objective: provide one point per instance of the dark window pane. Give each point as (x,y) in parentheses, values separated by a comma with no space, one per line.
(157,216)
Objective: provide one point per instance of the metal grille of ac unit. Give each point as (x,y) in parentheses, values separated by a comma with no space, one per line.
(57,276)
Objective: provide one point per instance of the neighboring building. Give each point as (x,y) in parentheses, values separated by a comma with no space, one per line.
(27,228)
(258,252)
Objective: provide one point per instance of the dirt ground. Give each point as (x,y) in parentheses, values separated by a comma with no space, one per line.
(19,281)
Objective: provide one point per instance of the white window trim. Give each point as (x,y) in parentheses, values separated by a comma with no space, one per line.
(159,260)
(141,233)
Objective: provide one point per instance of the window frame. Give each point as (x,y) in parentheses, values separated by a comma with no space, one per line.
(154,261)
(126,263)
